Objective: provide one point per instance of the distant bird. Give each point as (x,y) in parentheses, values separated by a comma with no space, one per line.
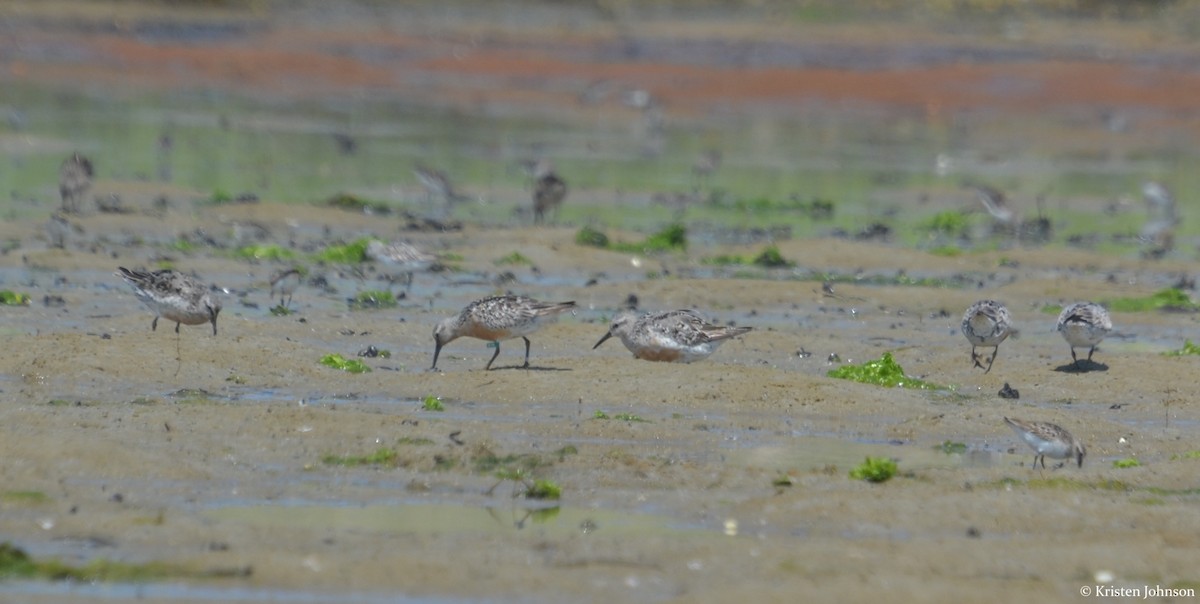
(74,181)
(1084,324)
(1048,439)
(986,323)
(495,319)
(549,191)
(405,256)
(285,281)
(704,166)
(437,184)
(1158,234)
(59,229)
(173,296)
(994,202)
(675,336)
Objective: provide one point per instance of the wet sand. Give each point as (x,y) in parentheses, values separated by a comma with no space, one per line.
(146,457)
(208,451)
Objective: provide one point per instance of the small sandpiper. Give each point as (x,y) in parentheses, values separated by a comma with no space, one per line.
(495,319)
(409,258)
(1084,324)
(1048,439)
(549,191)
(986,323)
(285,281)
(675,336)
(173,296)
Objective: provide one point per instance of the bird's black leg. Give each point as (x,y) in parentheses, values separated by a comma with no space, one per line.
(177,328)
(992,359)
(526,365)
(154,324)
(489,365)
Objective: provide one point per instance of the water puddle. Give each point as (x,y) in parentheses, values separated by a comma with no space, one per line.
(814,453)
(442,519)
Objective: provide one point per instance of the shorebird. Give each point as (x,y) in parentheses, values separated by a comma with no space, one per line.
(173,296)
(549,191)
(409,258)
(437,184)
(74,180)
(1084,324)
(1048,439)
(285,281)
(1158,234)
(495,319)
(673,336)
(59,229)
(986,323)
(704,167)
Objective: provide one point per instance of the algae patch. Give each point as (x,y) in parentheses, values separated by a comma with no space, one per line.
(874,469)
(884,371)
(341,363)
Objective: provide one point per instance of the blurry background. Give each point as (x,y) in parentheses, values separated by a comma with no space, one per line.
(940,124)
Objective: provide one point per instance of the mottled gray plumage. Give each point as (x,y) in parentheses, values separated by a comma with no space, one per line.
(173,296)
(74,181)
(671,336)
(495,319)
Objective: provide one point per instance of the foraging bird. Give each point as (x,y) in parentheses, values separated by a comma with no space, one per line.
(549,191)
(173,296)
(285,281)
(409,258)
(74,180)
(1048,439)
(497,318)
(681,336)
(437,184)
(986,323)
(1084,324)
(1158,234)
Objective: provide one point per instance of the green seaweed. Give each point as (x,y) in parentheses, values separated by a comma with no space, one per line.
(629,417)
(264,252)
(724,260)
(380,457)
(25,497)
(771,258)
(1188,455)
(372,299)
(591,238)
(874,469)
(949,448)
(1188,349)
(11,298)
(543,489)
(433,403)
(1171,298)
(513,259)
(15,563)
(1128,462)
(414,441)
(882,372)
(950,222)
(354,203)
(341,363)
(349,253)
(671,238)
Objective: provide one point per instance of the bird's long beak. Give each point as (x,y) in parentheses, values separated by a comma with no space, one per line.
(437,349)
(606,336)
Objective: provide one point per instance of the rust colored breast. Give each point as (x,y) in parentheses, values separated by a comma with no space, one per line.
(659,354)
